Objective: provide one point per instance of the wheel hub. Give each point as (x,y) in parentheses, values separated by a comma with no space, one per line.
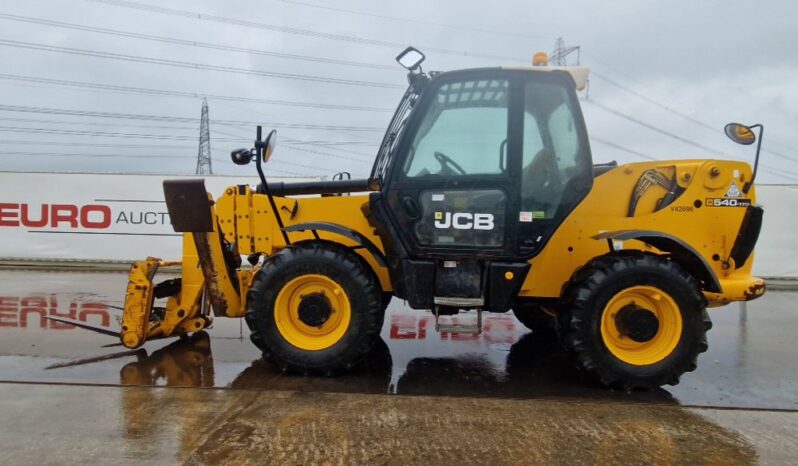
(314,310)
(637,323)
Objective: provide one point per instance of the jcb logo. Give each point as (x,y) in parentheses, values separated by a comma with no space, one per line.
(464,221)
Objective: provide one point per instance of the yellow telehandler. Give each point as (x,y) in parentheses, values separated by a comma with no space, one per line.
(483,197)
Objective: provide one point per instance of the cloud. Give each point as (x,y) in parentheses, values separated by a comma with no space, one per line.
(709,60)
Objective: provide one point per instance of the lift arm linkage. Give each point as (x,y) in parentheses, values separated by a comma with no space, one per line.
(209,278)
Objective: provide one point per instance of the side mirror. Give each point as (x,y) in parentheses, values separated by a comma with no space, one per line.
(268,145)
(740,134)
(410,58)
(241,156)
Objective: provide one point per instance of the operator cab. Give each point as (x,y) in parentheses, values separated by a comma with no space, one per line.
(476,171)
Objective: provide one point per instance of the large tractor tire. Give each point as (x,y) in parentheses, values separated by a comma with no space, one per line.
(315,309)
(634,321)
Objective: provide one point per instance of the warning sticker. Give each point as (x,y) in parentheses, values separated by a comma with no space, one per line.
(733,191)
(525,217)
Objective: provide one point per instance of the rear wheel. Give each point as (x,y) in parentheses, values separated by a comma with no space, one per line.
(315,308)
(635,321)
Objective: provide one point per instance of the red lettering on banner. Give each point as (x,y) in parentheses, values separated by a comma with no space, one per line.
(96,309)
(403,327)
(8,311)
(422,327)
(95,216)
(8,215)
(457,336)
(104,222)
(44,217)
(19,312)
(69,215)
(72,315)
(31,304)
(500,329)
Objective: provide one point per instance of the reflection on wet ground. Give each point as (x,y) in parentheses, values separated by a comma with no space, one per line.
(750,362)
(144,425)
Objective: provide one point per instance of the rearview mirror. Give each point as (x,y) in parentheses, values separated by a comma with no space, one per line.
(740,134)
(268,145)
(410,58)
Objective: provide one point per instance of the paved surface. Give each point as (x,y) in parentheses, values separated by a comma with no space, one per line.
(503,396)
(48,424)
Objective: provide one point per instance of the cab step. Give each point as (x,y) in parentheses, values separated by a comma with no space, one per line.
(462,303)
(458,328)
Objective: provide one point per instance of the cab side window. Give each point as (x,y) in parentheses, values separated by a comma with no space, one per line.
(552,155)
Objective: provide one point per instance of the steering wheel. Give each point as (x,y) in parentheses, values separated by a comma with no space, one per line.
(445,161)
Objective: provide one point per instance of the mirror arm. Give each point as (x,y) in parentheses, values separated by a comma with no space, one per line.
(750,183)
(259,148)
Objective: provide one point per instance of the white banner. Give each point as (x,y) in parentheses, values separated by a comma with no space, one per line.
(123,218)
(776,251)
(92,217)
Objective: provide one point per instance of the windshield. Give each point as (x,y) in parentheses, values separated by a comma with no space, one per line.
(464,131)
(396,126)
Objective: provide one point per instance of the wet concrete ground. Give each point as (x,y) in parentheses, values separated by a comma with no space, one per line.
(501,394)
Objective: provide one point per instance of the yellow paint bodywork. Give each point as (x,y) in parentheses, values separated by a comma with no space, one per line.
(708,230)
(245,219)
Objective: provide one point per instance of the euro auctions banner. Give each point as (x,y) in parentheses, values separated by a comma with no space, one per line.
(92,216)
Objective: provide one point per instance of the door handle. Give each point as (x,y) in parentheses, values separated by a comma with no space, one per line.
(410,207)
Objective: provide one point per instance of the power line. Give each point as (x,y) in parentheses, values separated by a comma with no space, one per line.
(415,21)
(287,30)
(311,151)
(97,123)
(678,113)
(191,65)
(653,127)
(182,128)
(115,134)
(89,144)
(109,134)
(111,156)
(173,93)
(176,119)
(675,136)
(191,43)
(143,156)
(787,175)
(619,147)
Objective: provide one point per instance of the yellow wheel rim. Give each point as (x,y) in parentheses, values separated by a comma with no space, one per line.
(648,301)
(312,312)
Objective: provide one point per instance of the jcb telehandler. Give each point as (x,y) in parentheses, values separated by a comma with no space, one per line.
(483,196)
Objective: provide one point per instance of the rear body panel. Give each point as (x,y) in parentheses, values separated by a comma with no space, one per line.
(703,216)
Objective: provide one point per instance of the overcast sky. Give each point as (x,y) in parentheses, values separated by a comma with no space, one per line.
(683,67)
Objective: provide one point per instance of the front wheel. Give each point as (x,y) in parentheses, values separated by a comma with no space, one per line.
(315,309)
(635,321)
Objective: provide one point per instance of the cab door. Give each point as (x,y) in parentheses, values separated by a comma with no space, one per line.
(556,167)
(451,189)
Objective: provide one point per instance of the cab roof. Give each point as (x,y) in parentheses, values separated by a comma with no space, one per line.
(578,73)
